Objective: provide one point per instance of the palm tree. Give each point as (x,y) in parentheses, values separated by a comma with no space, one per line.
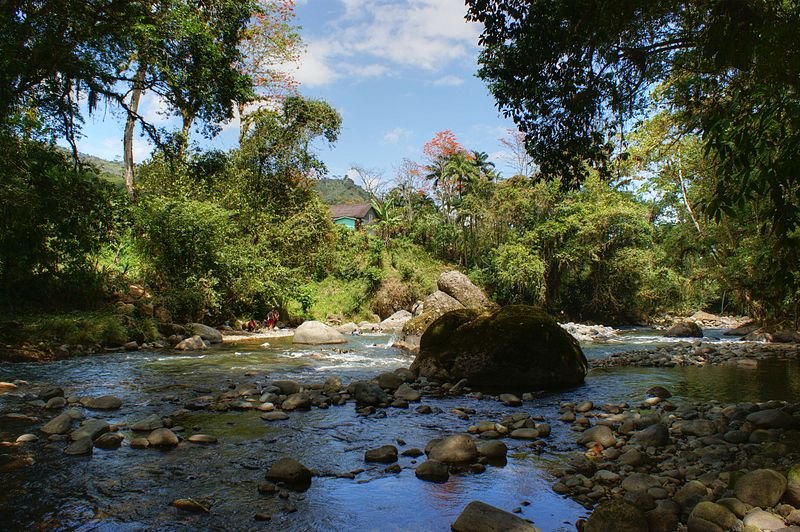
(386,218)
(485,167)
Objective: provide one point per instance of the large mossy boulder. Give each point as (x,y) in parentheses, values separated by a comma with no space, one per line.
(684,329)
(515,348)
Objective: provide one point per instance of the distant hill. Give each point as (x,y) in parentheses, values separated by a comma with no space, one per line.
(335,191)
(113,171)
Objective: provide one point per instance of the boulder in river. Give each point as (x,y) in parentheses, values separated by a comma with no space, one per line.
(194,343)
(684,329)
(456,449)
(162,438)
(104,402)
(432,471)
(478,516)
(150,423)
(79,447)
(386,454)
(109,440)
(368,393)
(711,516)
(317,333)
(516,347)
(205,332)
(58,425)
(297,401)
(292,473)
(92,428)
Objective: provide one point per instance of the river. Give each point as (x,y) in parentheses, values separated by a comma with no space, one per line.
(130,489)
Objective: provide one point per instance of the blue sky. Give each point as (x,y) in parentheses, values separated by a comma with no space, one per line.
(398,71)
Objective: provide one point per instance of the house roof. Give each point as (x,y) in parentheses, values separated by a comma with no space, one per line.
(358,210)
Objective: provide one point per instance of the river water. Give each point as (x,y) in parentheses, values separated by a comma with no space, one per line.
(130,489)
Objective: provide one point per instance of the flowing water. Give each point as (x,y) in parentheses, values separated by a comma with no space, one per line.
(130,489)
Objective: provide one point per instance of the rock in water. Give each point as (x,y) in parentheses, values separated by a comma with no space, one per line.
(386,454)
(150,423)
(297,401)
(58,425)
(368,393)
(162,438)
(189,505)
(432,471)
(104,402)
(205,332)
(710,516)
(317,333)
(459,287)
(456,449)
(685,329)
(81,446)
(618,515)
(517,347)
(110,440)
(195,343)
(295,475)
(92,428)
(481,517)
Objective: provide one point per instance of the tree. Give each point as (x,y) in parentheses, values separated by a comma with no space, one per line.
(518,155)
(573,74)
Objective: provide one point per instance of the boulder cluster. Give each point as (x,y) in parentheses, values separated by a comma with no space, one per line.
(663,465)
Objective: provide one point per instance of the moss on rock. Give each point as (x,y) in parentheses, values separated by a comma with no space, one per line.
(516,347)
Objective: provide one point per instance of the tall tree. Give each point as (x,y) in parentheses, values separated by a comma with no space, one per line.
(572,74)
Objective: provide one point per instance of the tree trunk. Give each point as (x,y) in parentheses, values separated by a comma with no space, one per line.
(130,126)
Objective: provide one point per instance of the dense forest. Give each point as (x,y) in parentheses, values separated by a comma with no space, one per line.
(650,202)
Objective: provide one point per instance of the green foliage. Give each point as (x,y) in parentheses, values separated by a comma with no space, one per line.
(54,219)
(517,274)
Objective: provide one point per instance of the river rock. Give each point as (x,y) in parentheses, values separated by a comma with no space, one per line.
(459,287)
(386,454)
(202,438)
(79,447)
(55,403)
(104,402)
(696,427)
(517,347)
(599,434)
(640,482)
(524,434)
(493,449)
(295,475)
(710,517)
(481,517)
(618,515)
(665,517)
(440,302)
(286,387)
(432,471)
(148,424)
(407,393)
(690,495)
(509,399)
(368,393)
(110,440)
(274,416)
(297,401)
(396,321)
(684,329)
(390,381)
(656,435)
(27,438)
(456,449)
(51,392)
(792,494)
(189,505)
(762,488)
(347,328)
(317,333)
(58,425)
(193,343)
(162,437)
(763,520)
(91,428)
(658,391)
(772,419)
(205,332)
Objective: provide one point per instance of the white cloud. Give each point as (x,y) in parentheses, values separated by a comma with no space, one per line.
(449,81)
(423,34)
(393,136)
